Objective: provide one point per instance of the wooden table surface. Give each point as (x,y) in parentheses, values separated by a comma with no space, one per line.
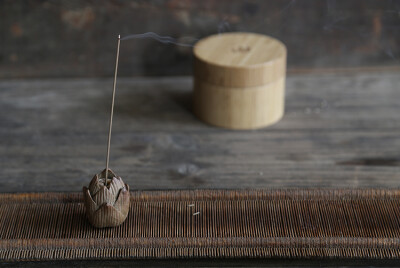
(339,130)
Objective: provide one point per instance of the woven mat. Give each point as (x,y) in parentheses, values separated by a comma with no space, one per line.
(206,224)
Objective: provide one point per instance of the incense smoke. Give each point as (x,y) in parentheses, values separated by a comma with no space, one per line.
(224,26)
(291,3)
(162,39)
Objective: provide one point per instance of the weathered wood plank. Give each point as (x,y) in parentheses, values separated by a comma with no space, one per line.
(338,131)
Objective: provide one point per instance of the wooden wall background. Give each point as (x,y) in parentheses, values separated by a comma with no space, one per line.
(75,38)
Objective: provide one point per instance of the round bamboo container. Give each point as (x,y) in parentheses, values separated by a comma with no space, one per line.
(239,80)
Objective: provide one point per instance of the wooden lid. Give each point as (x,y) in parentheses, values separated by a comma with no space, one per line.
(239,59)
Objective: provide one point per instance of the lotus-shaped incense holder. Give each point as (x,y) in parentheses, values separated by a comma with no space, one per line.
(106,201)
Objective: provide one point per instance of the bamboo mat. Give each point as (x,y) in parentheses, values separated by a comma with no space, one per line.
(206,224)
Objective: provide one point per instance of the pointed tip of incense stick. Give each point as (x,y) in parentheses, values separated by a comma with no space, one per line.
(119,36)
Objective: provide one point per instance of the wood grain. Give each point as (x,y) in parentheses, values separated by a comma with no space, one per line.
(239,108)
(338,131)
(239,60)
(239,80)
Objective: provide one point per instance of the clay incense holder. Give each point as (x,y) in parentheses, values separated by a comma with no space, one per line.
(106,200)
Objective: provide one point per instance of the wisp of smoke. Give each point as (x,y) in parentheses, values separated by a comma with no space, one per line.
(288,6)
(162,39)
(224,26)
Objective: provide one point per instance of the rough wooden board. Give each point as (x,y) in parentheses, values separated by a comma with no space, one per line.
(338,131)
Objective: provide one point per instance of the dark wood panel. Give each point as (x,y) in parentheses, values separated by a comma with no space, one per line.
(77,38)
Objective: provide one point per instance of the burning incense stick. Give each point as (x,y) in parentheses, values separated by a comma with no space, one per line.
(116,195)
(112,109)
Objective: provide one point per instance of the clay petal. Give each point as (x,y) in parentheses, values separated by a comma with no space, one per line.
(123,201)
(103,196)
(90,205)
(114,188)
(118,182)
(94,185)
(106,216)
(110,174)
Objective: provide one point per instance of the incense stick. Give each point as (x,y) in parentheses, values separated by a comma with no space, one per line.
(112,110)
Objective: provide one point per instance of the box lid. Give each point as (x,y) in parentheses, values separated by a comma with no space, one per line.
(239,59)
